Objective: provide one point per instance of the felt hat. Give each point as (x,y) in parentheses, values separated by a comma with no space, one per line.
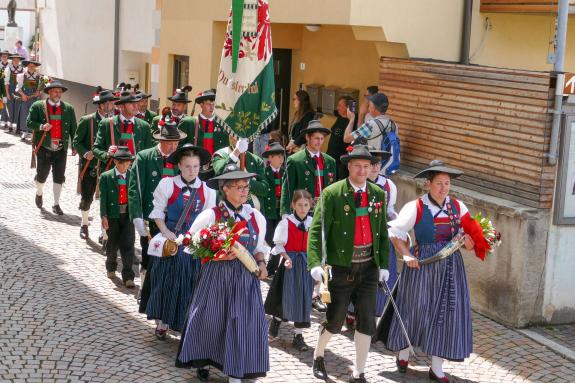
(205,95)
(168,130)
(204,155)
(358,152)
(231,172)
(274,148)
(123,153)
(438,166)
(55,84)
(181,95)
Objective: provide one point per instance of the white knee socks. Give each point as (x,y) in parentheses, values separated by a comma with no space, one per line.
(403,354)
(39,188)
(362,344)
(437,366)
(298,331)
(322,342)
(85,217)
(57,188)
(234,380)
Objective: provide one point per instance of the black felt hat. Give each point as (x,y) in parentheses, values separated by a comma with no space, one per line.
(168,130)
(103,95)
(26,62)
(205,95)
(231,172)
(383,155)
(274,148)
(204,155)
(16,56)
(359,152)
(55,84)
(314,126)
(123,153)
(127,97)
(181,95)
(438,166)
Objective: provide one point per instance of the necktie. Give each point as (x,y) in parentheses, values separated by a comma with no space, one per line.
(188,187)
(301,223)
(358,196)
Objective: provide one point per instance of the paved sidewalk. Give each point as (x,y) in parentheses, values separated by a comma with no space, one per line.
(62,320)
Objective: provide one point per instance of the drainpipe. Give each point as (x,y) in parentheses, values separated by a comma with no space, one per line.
(562,16)
(116,41)
(466,33)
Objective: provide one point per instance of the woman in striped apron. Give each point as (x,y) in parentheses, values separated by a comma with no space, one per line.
(226,325)
(177,203)
(433,299)
(28,88)
(289,296)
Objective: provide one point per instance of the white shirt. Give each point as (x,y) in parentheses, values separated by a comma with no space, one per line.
(56,104)
(165,189)
(7,72)
(124,119)
(381,180)
(356,188)
(120,174)
(405,221)
(206,118)
(208,217)
(20,78)
(281,233)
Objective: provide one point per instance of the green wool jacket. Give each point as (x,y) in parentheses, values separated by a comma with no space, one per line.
(142,138)
(109,190)
(37,118)
(254,164)
(338,206)
(270,210)
(147,168)
(86,136)
(220,136)
(300,174)
(149,118)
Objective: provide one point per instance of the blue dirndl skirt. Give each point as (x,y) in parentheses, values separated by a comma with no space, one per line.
(435,307)
(226,325)
(171,288)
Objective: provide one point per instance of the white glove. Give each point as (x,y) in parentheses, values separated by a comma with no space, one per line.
(4,99)
(140,227)
(242,145)
(317,273)
(383,275)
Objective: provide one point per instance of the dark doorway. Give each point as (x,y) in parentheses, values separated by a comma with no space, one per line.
(282,70)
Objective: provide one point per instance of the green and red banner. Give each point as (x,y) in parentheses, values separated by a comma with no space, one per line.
(245,98)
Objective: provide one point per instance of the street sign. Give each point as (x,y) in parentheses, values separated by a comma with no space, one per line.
(569,85)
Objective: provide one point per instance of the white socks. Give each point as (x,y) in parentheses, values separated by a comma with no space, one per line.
(57,188)
(298,331)
(39,188)
(85,217)
(362,344)
(437,366)
(234,380)
(161,325)
(322,341)
(403,354)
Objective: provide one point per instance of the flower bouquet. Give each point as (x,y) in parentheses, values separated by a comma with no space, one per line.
(43,83)
(212,243)
(480,229)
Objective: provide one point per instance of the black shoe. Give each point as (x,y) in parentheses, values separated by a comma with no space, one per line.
(57,210)
(319,368)
(299,343)
(84,232)
(361,379)
(401,365)
(318,305)
(101,239)
(203,374)
(38,201)
(274,328)
(435,378)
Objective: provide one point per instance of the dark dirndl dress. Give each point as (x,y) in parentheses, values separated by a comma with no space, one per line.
(173,278)
(226,325)
(434,300)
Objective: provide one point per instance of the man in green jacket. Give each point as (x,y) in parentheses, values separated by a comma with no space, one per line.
(308,169)
(143,112)
(178,113)
(205,130)
(84,144)
(53,125)
(240,156)
(148,169)
(122,130)
(351,217)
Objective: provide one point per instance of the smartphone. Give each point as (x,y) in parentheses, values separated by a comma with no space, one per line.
(352,106)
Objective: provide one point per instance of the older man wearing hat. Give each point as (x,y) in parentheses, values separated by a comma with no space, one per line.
(28,88)
(308,169)
(207,132)
(84,145)
(122,130)
(351,218)
(150,167)
(10,73)
(53,123)
(143,112)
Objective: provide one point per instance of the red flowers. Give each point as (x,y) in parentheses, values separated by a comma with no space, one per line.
(349,149)
(482,232)
(214,242)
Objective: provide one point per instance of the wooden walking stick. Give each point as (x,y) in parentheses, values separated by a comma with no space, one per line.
(112,143)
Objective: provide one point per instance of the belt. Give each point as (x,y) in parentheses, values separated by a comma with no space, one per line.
(123,209)
(361,253)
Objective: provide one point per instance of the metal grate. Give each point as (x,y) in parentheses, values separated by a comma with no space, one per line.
(11,185)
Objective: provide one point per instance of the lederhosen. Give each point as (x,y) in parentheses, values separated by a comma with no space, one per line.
(89,179)
(29,87)
(53,155)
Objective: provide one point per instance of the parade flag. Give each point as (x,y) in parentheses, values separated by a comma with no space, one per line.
(245,98)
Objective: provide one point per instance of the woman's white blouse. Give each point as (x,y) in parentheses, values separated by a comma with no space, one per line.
(165,189)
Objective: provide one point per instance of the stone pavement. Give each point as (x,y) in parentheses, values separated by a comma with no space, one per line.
(62,320)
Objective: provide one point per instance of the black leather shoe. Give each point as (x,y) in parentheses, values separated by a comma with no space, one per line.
(435,378)
(38,201)
(319,368)
(318,305)
(274,328)
(203,374)
(401,365)
(361,379)
(299,343)
(57,210)
(84,232)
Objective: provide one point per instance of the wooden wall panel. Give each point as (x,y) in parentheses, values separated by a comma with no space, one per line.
(494,124)
(520,6)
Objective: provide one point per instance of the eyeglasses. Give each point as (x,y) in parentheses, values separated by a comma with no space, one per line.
(241,189)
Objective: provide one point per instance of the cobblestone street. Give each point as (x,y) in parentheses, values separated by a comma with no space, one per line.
(62,319)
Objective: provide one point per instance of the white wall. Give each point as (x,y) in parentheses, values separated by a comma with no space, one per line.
(133,61)
(78,41)
(136,30)
(25,20)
